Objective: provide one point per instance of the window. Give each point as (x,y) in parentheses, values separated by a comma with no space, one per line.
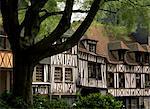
(68,75)
(58,74)
(147,80)
(138,57)
(138,80)
(121,80)
(92,48)
(110,79)
(4,43)
(40,73)
(99,75)
(92,70)
(146,58)
(121,55)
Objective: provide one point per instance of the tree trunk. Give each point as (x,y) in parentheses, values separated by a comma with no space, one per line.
(22,78)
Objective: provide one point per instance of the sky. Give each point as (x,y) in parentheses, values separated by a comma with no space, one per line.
(77,5)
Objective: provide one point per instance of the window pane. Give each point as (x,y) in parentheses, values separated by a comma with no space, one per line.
(121,80)
(147,80)
(68,74)
(92,70)
(40,73)
(138,81)
(92,48)
(58,74)
(110,79)
(99,75)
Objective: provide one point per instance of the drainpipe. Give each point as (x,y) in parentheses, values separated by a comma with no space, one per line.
(148,39)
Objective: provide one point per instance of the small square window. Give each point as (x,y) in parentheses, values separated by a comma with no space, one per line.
(92,48)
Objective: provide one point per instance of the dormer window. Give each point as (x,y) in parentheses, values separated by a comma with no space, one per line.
(121,55)
(92,48)
(146,58)
(138,57)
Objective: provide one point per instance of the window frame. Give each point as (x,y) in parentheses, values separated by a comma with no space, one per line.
(147,80)
(121,55)
(138,57)
(71,75)
(91,70)
(56,74)
(40,73)
(121,80)
(138,80)
(98,71)
(110,84)
(92,47)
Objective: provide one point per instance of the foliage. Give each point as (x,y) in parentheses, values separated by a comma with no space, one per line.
(45,103)
(98,101)
(123,16)
(3,104)
(39,101)
(9,101)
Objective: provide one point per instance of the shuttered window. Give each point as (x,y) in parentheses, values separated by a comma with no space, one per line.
(58,74)
(68,75)
(40,73)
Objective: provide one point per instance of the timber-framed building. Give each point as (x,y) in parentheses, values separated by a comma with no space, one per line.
(96,64)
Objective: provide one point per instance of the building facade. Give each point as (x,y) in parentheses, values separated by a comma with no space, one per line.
(96,64)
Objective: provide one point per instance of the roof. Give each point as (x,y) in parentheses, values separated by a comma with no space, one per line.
(117,45)
(107,47)
(146,47)
(136,47)
(96,34)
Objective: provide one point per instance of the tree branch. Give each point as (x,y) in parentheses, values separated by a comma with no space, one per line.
(47,14)
(73,40)
(61,28)
(138,4)
(31,22)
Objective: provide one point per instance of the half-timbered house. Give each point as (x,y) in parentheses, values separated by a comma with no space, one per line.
(128,73)
(92,66)
(5,64)
(95,64)
(57,75)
